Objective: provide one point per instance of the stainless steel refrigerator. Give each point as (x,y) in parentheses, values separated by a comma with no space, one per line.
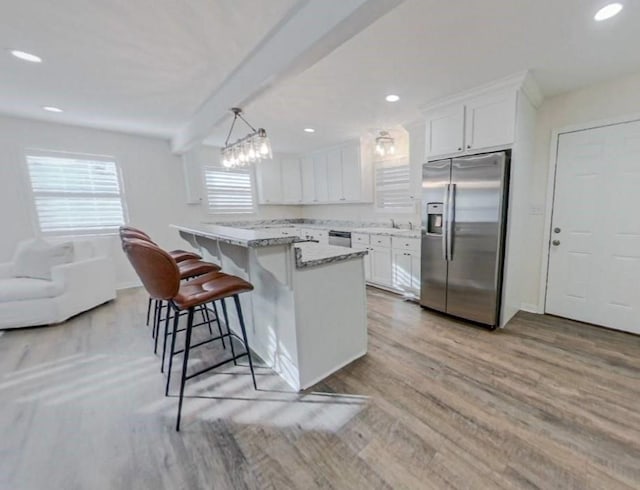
(464,209)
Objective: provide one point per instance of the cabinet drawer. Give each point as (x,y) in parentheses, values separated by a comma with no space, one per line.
(361,238)
(400,243)
(381,241)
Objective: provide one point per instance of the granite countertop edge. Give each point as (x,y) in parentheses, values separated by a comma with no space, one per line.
(303,264)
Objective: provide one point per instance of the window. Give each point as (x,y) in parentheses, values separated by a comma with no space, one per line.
(393,187)
(75,194)
(229,191)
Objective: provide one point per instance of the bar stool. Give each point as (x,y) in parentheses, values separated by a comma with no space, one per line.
(188,268)
(160,275)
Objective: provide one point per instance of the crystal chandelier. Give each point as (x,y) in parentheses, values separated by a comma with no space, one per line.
(385,144)
(252,148)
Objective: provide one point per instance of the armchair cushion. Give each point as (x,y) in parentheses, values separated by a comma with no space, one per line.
(35,258)
(22,288)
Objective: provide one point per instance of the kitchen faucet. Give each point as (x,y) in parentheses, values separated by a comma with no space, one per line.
(410,225)
(393,223)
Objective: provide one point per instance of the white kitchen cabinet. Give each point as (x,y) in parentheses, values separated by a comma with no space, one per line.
(353,174)
(320,177)
(269,176)
(406,270)
(490,120)
(291,180)
(366,258)
(445,130)
(471,125)
(334,175)
(381,271)
(308,180)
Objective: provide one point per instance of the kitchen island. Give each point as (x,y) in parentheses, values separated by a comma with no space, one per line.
(306,317)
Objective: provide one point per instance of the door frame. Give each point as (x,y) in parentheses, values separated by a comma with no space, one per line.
(551,191)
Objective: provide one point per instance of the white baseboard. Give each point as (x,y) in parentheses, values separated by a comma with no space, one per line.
(530,308)
(129,285)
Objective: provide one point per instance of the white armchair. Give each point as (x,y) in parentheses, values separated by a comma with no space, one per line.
(75,287)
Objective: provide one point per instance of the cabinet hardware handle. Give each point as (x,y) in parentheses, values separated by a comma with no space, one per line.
(468,146)
(459,148)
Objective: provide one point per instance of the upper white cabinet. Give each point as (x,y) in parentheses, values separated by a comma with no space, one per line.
(269,177)
(445,130)
(490,120)
(291,169)
(336,175)
(471,125)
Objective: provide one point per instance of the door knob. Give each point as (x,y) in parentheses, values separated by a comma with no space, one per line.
(555,243)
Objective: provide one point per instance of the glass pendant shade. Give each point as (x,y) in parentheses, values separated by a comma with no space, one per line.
(254,147)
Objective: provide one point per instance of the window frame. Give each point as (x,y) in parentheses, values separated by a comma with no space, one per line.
(35,218)
(395,162)
(252,183)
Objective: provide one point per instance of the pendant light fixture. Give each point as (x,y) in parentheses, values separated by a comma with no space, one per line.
(254,147)
(385,144)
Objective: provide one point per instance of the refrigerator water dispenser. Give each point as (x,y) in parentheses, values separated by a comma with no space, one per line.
(434,218)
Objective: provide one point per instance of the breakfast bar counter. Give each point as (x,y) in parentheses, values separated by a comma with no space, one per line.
(306,317)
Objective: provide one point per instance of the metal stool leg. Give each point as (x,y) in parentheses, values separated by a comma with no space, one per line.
(149,310)
(244,337)
(166,334)
(226,321)
(185,360)
(156,325)
(206,317)
(176,318)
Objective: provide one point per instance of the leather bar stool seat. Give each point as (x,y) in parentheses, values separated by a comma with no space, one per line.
(194,268)
(208,288)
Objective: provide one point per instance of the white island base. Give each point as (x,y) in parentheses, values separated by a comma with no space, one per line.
(306,317)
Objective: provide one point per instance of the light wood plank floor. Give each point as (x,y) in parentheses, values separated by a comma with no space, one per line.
(546,403)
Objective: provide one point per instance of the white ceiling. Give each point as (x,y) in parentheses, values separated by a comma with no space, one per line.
(147,65)
(143,66)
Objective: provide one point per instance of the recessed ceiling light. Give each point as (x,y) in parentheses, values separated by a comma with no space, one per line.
(26,56)
(608,11)
(51,108)
(392,98)
(309,130)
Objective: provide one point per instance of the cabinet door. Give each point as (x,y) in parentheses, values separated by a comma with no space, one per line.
(320,177)
(270,181)
(351,173)
(366,258)
(445,131)
(381,265)
(291,180)
(402,270)
(308,180)
(334,175)
(490,120)
(415,272)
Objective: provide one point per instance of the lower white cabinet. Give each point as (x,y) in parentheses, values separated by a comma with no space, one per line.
(406,271)
(381,265)
(367,258)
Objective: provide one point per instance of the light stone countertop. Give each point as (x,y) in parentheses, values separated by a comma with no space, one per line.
(310,254)
(238,236)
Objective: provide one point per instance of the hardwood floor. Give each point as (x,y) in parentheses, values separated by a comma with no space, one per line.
(545,403)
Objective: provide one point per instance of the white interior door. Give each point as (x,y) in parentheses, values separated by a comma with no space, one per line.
(594,257)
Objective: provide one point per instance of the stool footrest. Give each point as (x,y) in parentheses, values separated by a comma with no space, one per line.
(209,368)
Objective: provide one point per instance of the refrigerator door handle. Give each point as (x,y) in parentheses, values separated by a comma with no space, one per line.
(445,219)
(450,219)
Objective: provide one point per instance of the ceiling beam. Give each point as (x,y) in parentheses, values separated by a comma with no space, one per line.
(307,33)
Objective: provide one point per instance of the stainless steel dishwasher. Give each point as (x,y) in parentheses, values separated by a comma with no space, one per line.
(340,238)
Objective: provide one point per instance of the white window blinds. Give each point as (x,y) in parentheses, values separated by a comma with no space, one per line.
(393,186)
(75,194)
(229,191)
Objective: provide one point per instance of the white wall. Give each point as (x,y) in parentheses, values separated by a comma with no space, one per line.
(153,183)
(616,98)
